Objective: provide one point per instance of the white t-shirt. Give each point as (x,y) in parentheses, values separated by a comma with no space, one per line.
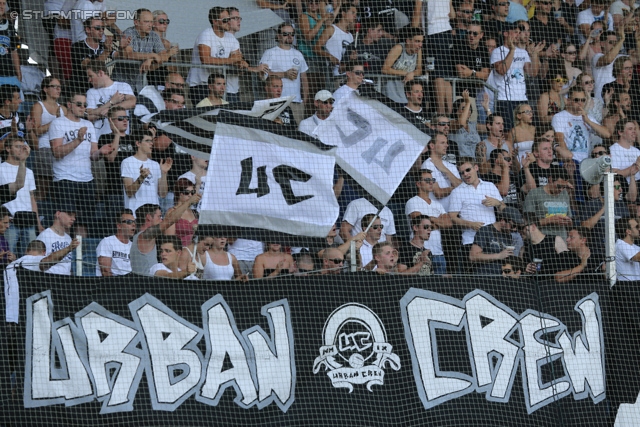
(309,125)
(438,16)
(626,269)
(622,158)
(576,133)
(441,179)
(54,243)
(342,91)
(280,60)
(467,201)
(99,97)
(75,166)
(512,86)
(357,209)
(220,48)
(601,75)
(161,267)
(11,289)
(366,252)
(435,209)
(113,248)
(618,7)
(246,250)
(22,202)
(148,191)
(587,17)
(58,6)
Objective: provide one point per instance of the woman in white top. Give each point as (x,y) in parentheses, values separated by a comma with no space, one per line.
(220,264)
(42,113)
(195,252)
(522,135)
(570,54)
(594,107)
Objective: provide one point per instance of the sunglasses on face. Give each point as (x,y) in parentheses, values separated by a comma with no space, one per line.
(188,193)
(506,159)
(444,124)
(579,99)
(598,154)
(122,118)
(377,227)
(467,170)
(429,180)
(287,33)
(507,271)
(164,21)
(80,104)
(473,33)
(617,187)
(128,221)
(427,227)
(358,73)
(560,80)
(527,112)
(328,101)
(336,260)
(588,82)
(98,28)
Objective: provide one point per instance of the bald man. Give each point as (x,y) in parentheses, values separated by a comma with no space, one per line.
(332,261)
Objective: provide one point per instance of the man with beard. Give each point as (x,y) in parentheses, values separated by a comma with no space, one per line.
(627,252)
(493,243)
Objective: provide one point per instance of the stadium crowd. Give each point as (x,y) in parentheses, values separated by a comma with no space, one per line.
(513,94)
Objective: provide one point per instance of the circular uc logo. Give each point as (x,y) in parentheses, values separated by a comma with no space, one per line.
(355,349)
(296,61)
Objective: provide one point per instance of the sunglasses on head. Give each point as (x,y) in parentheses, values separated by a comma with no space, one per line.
(377,227)
(164,21)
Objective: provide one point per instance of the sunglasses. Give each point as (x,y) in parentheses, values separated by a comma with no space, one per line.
(98,28)
(617,187)
(328,101)
(224,20)
(128,221)
(507,271)
(80,104)
(588,82)
(579,99)
(336,260)
(560,80)
(164,21)
(287,33)
(467,170)
(122,118)
(507,159)
(473,33)
(358,73)
(598,154)
(444,124)
(526,112)
(377,227)
(429,180)
(188,193)
(427,227)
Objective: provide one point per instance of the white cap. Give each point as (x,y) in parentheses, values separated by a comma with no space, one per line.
(323,95)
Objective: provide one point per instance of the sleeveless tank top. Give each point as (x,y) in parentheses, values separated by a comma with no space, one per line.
(524,148)
(142,263)
(337,44)
(218,272)
(184,230)
(47,117)
(306,47)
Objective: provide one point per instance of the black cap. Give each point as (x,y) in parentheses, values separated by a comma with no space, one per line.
(510,214)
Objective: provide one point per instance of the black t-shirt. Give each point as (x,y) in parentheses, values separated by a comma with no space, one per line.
(539,174)
(372,56)
(568,260)
(491,241)
(475,59)
(549,33)
(511,198)
(126,148)
(8,43)
(408,255)
(418,119)
(79,52)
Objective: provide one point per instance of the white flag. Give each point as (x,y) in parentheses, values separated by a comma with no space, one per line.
(263,176)
(376,145)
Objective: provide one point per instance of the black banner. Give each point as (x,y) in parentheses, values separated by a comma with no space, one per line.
(359,349)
